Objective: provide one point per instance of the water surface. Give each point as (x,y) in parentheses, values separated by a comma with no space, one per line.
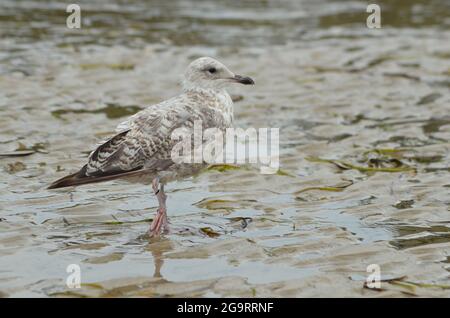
(370,99)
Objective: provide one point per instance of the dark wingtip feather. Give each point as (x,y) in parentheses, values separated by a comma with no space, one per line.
(63,182)
(74,179)
(80,177)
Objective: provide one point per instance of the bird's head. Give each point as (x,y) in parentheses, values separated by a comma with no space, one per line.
(208,73)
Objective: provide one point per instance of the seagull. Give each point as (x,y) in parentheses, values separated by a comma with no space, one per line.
(143,143)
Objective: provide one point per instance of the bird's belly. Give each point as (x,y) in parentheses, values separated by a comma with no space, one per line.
(172,173)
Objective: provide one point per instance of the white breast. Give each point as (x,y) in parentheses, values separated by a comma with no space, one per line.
(226,103)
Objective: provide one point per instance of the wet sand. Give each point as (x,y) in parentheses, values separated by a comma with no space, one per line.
(364,139)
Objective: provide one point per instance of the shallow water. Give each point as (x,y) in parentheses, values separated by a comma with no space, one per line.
(337,91)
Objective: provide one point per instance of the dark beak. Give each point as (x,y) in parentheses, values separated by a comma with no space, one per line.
(243,80)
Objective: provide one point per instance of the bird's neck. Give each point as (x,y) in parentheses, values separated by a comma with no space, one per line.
(213,93)
(203,90)
(220,97)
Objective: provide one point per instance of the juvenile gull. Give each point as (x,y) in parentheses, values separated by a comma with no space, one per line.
(143,143)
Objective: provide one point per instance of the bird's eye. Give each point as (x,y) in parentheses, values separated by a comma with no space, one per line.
(212,70)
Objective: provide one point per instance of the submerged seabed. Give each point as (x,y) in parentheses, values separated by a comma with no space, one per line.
(364,134)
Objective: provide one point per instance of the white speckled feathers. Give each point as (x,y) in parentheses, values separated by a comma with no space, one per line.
(144,140)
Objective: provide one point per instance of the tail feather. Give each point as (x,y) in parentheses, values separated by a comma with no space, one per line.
(80,177)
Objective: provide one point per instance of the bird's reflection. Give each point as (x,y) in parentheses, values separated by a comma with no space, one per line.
(158,248)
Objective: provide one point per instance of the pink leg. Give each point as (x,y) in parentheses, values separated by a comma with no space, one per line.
(160,223)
